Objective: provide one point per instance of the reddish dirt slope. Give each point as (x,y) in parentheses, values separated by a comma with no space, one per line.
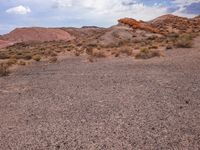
(37,34)
(197,17)
(4,43)
(138,25)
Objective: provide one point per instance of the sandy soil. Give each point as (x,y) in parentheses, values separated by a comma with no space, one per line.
(112,104)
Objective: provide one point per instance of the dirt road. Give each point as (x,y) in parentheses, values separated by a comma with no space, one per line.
(112,104)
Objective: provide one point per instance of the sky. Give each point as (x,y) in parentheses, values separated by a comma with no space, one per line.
(77,13)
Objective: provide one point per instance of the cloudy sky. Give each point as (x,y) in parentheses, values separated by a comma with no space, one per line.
(54,13)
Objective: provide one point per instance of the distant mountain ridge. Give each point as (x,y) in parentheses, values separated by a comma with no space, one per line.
(125,30)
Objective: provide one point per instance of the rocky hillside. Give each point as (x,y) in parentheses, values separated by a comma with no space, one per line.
(128,32)
(170,23)
(132,38)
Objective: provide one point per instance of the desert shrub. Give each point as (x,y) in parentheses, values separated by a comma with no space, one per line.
(194,34)
(24,56)
(4,69)
(144,50)
(77,53)
(89,51)
(3,55)
(145,53)
(90,59)
(13,56)
(27,56)
(184,41)
(37,57)
(53,59)
(153,37)
(93,45)
(79,44)
(99,54)
(19,53)
(173,35)
(21,63)
(53,54)
(120,43)
(48,53)
(58,51)
(11,62)
(168,47)
(153,47)
(65,46)
(127,51)
(71,46)
(117,54)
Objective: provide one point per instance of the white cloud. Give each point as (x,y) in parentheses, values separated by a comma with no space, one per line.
(61,3)
(19,10)
(185,2)
(111,10)
(182,4)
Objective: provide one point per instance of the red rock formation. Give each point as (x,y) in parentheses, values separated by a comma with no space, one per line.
(138,25)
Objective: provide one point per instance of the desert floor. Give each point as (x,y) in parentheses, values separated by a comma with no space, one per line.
(111,104)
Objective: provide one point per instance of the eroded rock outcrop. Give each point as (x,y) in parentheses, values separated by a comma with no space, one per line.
(138,25)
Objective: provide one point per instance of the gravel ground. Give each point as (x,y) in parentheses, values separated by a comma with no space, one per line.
(112,104)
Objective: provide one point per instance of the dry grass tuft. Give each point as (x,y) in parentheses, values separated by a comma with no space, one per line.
(53,59)
(22,63)
(89,50)
(90,59)
(168,47)
(11,62)
(99,54)
(184,41)
(37,57)
(153,47)
(4,55)
(77,53)
(4,69)
(146,53)
(117,54)
(127,51)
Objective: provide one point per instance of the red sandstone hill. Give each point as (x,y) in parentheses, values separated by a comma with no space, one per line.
(37,34)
